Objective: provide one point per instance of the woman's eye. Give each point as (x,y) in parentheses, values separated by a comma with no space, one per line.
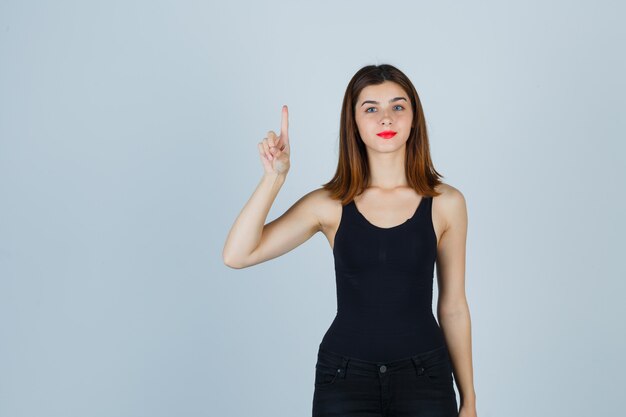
(369,108)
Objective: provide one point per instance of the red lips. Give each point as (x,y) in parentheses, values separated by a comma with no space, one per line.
(387,134)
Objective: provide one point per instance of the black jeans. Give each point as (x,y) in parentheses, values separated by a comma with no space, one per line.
(419,386)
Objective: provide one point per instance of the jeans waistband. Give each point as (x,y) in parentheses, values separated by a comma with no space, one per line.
(333,360)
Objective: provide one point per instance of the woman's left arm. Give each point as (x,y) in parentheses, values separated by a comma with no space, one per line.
(452,308)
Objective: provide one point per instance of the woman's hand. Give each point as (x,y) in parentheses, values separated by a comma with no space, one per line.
(274,151)
(467,411)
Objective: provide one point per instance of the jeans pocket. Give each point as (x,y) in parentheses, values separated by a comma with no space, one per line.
(325,376)
(439,371)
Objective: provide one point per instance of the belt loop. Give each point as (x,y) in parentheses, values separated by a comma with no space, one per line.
(344,366)
(417,363)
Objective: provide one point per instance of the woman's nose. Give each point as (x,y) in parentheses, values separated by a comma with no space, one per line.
(385,117)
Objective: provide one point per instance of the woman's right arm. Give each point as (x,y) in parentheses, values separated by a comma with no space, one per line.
(250,241)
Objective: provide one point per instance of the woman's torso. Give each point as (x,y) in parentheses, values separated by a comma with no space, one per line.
(384,249)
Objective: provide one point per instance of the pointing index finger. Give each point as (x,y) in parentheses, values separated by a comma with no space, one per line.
(284,126)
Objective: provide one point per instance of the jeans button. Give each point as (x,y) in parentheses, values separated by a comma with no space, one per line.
(420,371)
(383,369)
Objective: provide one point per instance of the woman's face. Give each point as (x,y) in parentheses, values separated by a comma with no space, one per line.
(380,108)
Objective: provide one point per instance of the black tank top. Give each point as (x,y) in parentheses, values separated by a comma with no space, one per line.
(384,279)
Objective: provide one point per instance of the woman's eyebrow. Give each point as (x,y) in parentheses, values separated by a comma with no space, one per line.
(391,101)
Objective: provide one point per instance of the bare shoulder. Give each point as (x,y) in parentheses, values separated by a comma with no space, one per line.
(326,209)
(450,205)
(449,195)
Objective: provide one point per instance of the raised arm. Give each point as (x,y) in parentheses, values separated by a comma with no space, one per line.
(251,241)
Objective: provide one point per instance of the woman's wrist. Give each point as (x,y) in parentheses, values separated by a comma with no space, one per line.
(468,401)
(273,176)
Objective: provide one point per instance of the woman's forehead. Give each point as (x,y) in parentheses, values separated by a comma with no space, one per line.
(386,92)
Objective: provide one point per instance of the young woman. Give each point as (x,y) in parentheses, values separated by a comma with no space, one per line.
(388,219)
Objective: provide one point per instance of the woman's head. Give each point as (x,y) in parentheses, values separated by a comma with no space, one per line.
(361,120)
(383,108)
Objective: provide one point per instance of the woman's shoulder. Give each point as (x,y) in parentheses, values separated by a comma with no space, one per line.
(448,193)
(321,197)
(326,208)
(449,204)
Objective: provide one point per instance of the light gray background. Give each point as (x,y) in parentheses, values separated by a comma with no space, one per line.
(128,134)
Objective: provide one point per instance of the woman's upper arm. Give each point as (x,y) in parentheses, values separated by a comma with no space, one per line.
(294,227)
(451,253)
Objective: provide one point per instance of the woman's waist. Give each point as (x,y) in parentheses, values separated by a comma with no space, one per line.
(382,325)
(375,347)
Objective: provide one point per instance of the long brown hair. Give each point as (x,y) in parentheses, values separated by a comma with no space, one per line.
(353,174)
